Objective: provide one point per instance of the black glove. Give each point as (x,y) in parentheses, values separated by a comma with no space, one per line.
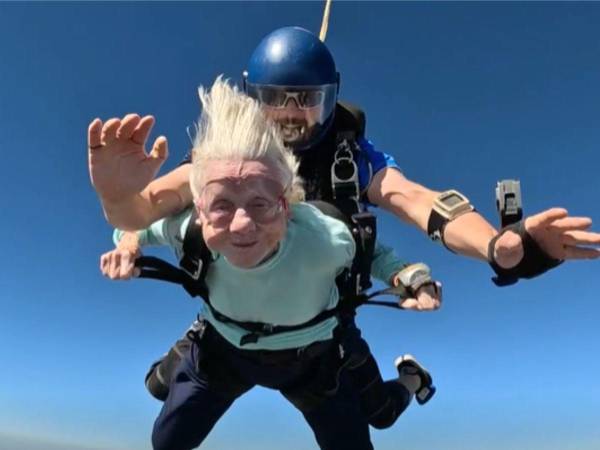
(535,261)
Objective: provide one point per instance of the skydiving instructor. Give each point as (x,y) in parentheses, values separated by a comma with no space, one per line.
(294,77)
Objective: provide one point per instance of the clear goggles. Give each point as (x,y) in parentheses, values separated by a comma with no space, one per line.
(305,97)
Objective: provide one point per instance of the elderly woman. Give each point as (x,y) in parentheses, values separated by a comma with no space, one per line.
(275,261)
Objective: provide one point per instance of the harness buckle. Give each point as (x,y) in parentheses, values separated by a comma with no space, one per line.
(192,267)
(357,286)
(196,332)
(267,328)
(344,173)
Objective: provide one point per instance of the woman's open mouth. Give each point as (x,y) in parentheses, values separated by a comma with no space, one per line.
(244,244)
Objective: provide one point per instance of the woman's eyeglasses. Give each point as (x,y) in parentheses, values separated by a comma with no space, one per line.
(220,212)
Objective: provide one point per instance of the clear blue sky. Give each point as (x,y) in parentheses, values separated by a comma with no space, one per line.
(462,94)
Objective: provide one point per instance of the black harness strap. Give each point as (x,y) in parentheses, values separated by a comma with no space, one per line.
(158,269)
(196,259)
(365,225)
(346,196)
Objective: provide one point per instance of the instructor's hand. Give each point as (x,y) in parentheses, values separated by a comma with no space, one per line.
(558,234)
(428,298)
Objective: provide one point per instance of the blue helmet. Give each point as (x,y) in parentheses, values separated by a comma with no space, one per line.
(293,75)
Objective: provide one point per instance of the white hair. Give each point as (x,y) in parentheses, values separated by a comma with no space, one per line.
(232,126)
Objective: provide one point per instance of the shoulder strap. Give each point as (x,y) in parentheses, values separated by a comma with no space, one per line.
(196,255)
(350,127)
(350,123)
(350,118)
(193,265)
(196,258)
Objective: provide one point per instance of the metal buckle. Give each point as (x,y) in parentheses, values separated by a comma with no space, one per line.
(197,264)
(267,328)
(344,157)
(508,202)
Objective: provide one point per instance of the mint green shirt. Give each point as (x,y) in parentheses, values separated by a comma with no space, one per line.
(292,287)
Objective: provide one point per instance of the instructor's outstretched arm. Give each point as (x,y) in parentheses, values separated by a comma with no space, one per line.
(558,235)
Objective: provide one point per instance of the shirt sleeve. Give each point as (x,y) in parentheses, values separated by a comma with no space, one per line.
(372,162)
(168,231)
(385,263)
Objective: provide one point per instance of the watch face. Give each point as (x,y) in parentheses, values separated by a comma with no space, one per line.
(452,200)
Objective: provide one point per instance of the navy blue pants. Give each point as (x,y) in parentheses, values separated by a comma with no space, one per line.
(214,373)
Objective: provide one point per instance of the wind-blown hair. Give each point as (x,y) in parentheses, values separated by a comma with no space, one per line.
(232,126)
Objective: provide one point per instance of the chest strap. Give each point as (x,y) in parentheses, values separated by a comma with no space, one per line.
(158,269)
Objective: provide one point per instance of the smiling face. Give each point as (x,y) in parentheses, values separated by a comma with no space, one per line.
(296,125)
(301,112)
(242,210)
